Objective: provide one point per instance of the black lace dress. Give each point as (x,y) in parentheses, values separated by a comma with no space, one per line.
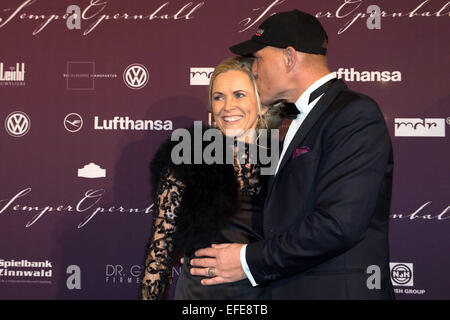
(244,226)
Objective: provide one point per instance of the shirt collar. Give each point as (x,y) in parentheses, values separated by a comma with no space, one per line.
(302,101)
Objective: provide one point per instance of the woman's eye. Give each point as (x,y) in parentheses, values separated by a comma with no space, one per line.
(239,95)
(217,98)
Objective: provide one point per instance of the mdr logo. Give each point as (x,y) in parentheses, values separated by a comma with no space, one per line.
(200,76)
(402,275)
(418,127)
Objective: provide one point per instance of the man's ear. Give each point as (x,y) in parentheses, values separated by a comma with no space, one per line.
(290,56)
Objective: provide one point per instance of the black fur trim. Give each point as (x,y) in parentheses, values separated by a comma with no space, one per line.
(209,198)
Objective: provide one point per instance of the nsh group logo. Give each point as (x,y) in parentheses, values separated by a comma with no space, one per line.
(402,275)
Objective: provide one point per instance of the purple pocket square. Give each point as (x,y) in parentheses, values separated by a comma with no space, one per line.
(299,151)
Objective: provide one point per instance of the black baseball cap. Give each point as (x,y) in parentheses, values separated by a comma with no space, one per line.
(296,29)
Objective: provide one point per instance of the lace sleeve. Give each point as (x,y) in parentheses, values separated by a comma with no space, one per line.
(159,254)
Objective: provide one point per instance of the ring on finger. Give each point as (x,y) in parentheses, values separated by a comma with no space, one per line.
(211,272)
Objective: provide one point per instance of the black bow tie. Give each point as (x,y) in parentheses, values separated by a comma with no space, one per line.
(289,110)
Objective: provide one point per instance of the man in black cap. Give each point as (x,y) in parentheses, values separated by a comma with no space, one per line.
(327,208)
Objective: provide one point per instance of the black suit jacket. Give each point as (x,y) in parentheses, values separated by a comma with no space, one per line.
(326,213)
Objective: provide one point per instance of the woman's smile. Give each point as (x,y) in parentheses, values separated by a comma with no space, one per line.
(234,102)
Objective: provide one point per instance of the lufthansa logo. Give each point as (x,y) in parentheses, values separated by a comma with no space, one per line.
(73,122)
(136,76)
(17,124)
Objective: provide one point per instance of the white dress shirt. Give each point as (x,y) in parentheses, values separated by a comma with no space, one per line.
(304,108)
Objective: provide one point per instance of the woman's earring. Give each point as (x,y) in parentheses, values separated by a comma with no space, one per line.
(211,121)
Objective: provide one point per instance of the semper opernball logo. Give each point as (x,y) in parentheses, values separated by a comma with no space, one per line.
(402,274)
(135,76)
(17,124)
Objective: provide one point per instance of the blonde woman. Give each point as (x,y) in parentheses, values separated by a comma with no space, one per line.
(197,205)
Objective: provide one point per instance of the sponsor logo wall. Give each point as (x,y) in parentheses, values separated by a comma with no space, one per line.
(85,107)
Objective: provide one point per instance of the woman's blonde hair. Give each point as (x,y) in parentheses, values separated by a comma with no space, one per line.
(268,119)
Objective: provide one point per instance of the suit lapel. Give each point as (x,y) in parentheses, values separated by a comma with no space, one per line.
(313,116)
(272,177)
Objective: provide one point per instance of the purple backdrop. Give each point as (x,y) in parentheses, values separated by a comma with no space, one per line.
(84,110)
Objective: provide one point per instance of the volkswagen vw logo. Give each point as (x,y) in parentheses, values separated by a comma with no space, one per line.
(17,124)
(135,76)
